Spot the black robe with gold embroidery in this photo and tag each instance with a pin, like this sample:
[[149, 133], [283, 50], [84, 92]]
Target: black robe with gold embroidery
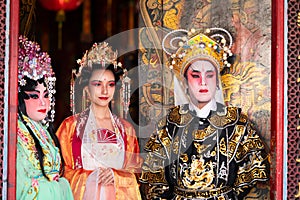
[[221, 157]]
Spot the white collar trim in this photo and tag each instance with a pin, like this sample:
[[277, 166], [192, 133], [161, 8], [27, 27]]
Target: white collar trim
[[204, 112]]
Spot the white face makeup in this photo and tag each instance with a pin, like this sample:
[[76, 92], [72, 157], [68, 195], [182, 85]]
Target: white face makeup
[[202, 82], [38, 104], [101, 87]]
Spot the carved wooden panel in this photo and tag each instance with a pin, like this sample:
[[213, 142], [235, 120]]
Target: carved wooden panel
[[2, 78], [293, 128]]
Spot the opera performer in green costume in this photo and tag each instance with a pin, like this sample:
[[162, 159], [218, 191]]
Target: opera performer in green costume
[[39, 161]]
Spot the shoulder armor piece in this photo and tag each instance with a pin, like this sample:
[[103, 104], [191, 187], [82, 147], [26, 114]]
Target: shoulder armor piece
[[230, 116], [180, 115]]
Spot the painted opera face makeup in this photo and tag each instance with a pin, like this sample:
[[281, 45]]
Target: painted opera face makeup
[[101, 87], [38, 104], [202, 82]]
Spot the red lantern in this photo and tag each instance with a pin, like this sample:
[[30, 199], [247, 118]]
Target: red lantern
[[57, 5], [60, 6]]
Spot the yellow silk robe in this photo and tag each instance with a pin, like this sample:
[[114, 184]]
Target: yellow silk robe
[[126, 186]]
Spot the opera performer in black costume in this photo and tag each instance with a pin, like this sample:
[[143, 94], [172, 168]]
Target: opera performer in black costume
[[202, 149]]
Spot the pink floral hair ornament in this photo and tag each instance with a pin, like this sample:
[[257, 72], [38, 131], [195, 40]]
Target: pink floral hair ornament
[[35, 64]]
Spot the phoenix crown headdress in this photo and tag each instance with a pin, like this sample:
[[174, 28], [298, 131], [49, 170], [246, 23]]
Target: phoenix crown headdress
[[103, 55], [100, 53], [35, 64]]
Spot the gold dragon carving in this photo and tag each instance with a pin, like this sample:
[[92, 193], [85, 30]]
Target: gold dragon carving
[[247, 85]]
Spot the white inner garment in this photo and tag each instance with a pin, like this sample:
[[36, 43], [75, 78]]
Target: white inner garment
[[101, 150]]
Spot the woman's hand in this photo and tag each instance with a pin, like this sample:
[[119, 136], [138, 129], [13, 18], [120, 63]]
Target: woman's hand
[[98, 178]]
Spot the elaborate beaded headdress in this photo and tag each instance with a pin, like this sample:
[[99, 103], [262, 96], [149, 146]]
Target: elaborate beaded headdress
[[35, 64], [184, 47], [101, 54], [213, 45]]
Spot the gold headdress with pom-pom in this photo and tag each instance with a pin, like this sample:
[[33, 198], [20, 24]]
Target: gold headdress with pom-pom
[[193, 45]]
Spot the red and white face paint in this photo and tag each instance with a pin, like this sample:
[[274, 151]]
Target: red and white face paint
[[38, 104], [202, 82]]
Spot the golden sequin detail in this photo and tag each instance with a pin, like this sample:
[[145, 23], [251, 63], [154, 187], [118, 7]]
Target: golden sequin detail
[[178, 117], [229, 117], [175, 145], [202, 134], [200, 175]]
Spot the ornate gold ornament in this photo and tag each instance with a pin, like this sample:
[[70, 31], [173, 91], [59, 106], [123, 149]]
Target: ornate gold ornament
[[213, 45]]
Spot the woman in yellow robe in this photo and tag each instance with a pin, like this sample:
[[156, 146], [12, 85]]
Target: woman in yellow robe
[[100, 150]]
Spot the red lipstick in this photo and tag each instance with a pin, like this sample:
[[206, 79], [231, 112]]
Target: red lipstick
[[42, 110], [103, 98], [203, 90]]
